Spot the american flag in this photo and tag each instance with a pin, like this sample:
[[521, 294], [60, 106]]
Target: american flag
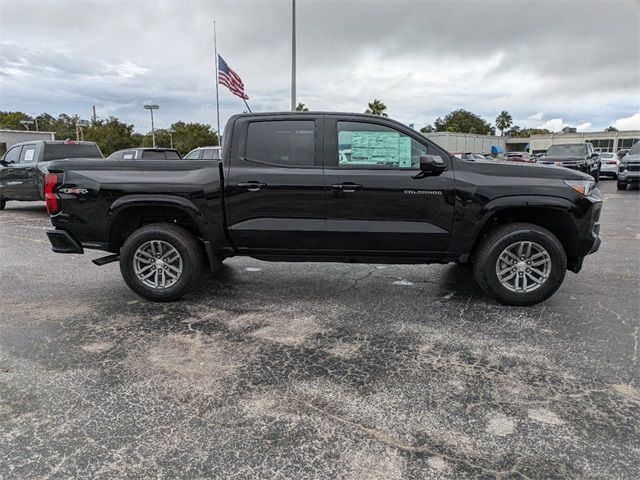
[[230, 79]]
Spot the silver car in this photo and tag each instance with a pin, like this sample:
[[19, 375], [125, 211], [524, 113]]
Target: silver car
[[609, 163], [204, 153], [629, 169]]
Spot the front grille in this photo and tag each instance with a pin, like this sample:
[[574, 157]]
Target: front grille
[[633, 168]]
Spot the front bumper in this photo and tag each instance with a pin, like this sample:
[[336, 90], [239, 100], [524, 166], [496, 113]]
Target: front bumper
[[63, 242], [629, 177]]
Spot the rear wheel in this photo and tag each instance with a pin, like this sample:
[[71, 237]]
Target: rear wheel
[[596, 175], [621, 185], [520, 264], [161, 262], [3, 203]]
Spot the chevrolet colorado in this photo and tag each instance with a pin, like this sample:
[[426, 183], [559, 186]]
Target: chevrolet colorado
[[326, 187]]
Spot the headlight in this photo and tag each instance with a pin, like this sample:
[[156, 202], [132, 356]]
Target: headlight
[[585, 187], [623, 167]]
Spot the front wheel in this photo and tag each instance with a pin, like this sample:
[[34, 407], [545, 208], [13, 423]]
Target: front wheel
[[621, 185], [596, 175], [161, 262], [3, 203], [520, 264]]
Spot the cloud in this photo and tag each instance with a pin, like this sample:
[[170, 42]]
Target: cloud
[[628, 123], [584, 127], [555, 125], [423, 59]]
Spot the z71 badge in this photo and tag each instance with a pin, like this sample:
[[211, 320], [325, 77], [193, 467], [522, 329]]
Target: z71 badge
[[74, 191]]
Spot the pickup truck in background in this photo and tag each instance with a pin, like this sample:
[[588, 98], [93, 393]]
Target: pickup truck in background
[[24, 166], [326, 187], [576, 156]]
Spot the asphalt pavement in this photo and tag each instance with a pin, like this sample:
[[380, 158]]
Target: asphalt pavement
[[286, 370]]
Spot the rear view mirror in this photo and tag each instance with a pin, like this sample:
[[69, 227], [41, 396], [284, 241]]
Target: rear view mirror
[[432, 164]]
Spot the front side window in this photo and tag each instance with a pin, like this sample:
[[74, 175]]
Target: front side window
[[129, 155], [367, 145], [194, 155], [12, 155], [211, 154], [285, 143], [28, 154]]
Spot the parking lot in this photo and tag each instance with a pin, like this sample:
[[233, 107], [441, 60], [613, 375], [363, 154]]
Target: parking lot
[[284, 370]]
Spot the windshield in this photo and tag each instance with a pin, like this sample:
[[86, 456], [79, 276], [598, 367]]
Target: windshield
[[567, 151], [606, 155], [635, 150]]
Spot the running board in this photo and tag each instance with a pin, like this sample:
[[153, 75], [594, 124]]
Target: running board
[[108, 259]]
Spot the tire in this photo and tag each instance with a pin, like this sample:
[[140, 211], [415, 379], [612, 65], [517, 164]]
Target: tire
[[549, 275], [596, 176], [621, 185], [3, 203], [173, 276]]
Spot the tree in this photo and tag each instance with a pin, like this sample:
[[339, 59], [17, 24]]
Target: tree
[[11, 120], [377, 108], [301, 108], [503, 121], [187, 136], [514, 131], [464, 122], [110, 135], [427, 129], [611, 128]]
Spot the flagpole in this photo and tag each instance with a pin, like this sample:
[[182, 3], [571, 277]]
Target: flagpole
[[293, 55], [215, 47], [245, 102]]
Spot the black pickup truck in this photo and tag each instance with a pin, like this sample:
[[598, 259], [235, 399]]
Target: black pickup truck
[[327, 187]]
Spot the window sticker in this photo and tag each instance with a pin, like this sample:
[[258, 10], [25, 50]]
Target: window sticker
[[379, 148], [28, 155]]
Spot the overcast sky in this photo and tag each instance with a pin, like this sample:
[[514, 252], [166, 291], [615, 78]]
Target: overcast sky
[[549, 64]]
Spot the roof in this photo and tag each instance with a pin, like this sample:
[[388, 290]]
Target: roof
[[8, 130]]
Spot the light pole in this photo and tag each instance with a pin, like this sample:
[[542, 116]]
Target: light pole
[[151, 108], [80, 124], [26, 123], [293, 55]]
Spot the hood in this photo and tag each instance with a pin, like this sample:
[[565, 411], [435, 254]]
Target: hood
[[562, 158], [502, 168], [630, 159]]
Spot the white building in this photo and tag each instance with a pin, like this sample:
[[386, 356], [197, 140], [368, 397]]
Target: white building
[[8, 138]]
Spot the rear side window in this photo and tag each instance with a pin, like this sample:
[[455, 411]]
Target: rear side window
[[172, 155], [28, 154], [288, 143], [158, 155], [53, 151]]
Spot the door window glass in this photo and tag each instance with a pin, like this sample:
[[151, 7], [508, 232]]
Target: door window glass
[[367, 145], [28, 154], [211, 154], [286, 143], [13, 155], [194, 154]]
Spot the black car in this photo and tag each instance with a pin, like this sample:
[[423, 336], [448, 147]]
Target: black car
[[327, 187], [145, 153], [576, 156], [24, 166]]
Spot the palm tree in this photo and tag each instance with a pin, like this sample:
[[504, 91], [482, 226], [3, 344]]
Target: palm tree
[[301, 108], [377, 108], [503, 121]]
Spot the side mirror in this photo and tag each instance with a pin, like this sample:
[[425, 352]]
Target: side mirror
[[594, 155], [4, 163], [432, 164]]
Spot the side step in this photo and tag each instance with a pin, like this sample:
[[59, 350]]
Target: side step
[[108, 259]]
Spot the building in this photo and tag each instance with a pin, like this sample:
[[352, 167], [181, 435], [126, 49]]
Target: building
[[468, 142], [8, 138], [602, 141]]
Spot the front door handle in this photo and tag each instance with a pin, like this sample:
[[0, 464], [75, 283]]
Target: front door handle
[[347, 187], [251, 186]]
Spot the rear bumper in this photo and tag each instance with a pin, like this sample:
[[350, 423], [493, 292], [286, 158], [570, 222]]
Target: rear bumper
[[63, 242]]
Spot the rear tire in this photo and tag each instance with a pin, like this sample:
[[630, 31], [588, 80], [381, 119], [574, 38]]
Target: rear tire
[[161, 262], [531, 282], [621, 185], [596, 176], [3, 203]]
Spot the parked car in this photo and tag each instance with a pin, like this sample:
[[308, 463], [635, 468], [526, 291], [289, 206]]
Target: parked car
[[145, 153], [204, 153], [473, 157], [609, 163], [519, 157], [397, 198], [24, 166], [576, 156], [629, 168], [490, 158]]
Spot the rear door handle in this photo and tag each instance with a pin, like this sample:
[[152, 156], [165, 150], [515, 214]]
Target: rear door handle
[[251, 186], [347, 187]]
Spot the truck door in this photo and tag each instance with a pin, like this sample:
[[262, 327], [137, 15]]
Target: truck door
[[8, 174], [25, 173], [378, 200], [275, 189]]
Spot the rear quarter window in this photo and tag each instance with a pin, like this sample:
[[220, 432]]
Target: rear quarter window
[[55, 151]]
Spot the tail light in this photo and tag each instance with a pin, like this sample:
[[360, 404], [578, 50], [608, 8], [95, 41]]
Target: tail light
[[611, 162], [51, 181]]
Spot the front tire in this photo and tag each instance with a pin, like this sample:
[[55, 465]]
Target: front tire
[[161, 262], [596, 176], [621, 185], [3, 203], [520, 264]]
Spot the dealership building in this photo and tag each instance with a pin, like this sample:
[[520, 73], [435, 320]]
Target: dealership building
[[8, 138], [468, 142]]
